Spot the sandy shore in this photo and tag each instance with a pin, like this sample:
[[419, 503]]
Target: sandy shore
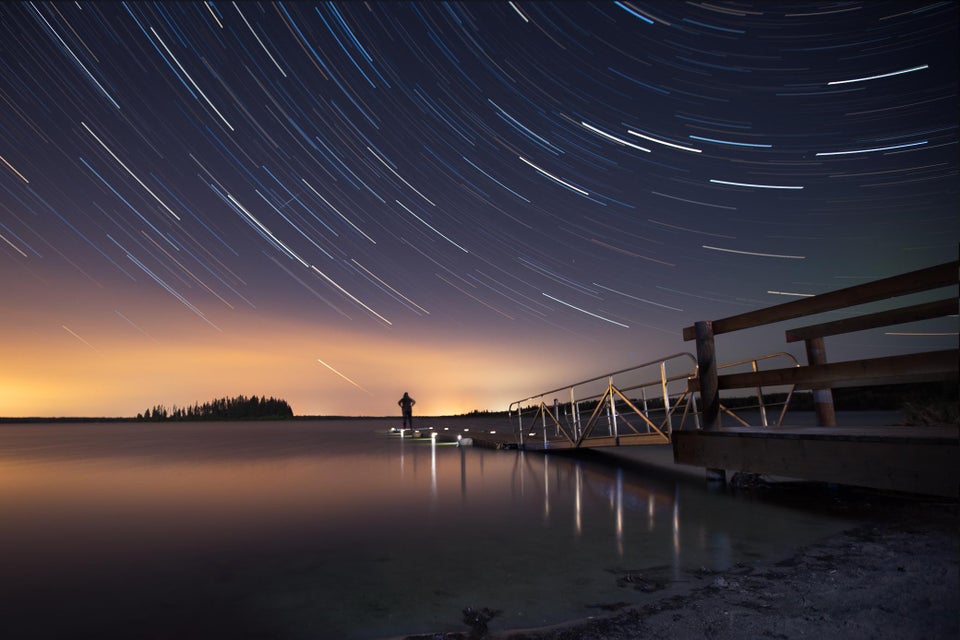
[[893, 575]]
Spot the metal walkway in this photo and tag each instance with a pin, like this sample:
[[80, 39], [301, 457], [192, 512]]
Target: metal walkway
[[640, 405]]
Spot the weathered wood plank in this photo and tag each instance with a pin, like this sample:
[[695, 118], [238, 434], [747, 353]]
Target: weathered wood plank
[[925, 311], [908, 464], [935, 277], [913, 367]]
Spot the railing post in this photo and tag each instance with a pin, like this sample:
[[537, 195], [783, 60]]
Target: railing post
[[556, 415], [709, 389], [707, 372], [520, 423], [613, 413], [573, 417], [822, 398], [666, 397], [760, 403]]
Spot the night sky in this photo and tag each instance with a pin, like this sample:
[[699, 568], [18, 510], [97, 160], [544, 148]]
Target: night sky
[[337, 203]]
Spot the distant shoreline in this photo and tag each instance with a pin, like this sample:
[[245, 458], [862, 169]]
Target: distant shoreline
[[82, 419], [87, 419]]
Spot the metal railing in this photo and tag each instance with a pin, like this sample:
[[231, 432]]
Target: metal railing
[[611, 407], [762, 404], [618, 407]]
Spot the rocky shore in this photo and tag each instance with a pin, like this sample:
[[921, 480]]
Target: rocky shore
[[893, 575]]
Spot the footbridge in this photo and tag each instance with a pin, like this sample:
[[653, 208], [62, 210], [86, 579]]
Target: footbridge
[[687, 401], [639, 405]]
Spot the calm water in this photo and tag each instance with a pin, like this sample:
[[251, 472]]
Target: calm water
[[337, 530]]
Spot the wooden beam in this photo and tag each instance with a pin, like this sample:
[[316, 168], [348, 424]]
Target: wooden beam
[[913, 367], [898, 462], [943, 275], [925, 311]]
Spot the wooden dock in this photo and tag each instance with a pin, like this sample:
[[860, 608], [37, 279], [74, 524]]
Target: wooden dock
[[922, 460], [914, 459]]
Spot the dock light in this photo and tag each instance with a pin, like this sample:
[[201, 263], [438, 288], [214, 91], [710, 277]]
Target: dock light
[[459, 438], [532, 434], [493, 431], [467, 429], [433, 435]]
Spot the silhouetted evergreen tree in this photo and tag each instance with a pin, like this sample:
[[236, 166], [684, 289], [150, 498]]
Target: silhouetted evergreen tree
[[238, 408]]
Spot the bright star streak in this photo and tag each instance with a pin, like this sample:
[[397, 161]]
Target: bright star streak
[[67, 329], [663, 142], [627, 295], [70, 51], [882, 75], [735, 144], [634, 12], [192, 81], [259, 40], [342, 376], [337, 211], [163, 284], [280, 243], [12, 168], [348, 294], [585, 311], [789, 293], [754, 253], [216, 19], [384, 163], [132, 174], [431, 227], [15, 248], [873, 150], [517, 9], [755, 186], [614, 138], [372, 275], [554, 178]]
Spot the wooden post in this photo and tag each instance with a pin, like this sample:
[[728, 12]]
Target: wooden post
[[707, 372], [823, 397], [709, 390]]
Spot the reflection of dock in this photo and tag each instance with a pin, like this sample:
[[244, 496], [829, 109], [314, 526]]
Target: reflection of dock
[[906, 458]]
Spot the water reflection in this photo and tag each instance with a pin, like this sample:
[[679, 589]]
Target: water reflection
[[288, 528]]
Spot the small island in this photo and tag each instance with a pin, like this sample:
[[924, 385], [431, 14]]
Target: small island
[[238, 408]]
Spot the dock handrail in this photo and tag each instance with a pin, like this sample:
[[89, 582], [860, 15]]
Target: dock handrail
[[618, 407], [601, 377], [819, 375], [942, 275]]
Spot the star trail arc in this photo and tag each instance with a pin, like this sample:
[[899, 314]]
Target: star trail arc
[[405, 172]]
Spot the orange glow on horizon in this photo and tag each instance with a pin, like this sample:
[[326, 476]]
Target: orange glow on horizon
[[110, 374]]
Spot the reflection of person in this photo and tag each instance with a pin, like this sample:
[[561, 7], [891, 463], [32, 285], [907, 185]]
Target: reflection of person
[[406, 406]]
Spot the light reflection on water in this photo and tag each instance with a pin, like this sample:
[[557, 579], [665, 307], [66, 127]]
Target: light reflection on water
[[336, 530]]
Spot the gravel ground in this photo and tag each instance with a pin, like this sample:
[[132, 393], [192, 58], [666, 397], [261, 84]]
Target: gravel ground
[[894, 575]]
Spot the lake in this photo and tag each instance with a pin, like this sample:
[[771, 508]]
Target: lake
[[337, 529]]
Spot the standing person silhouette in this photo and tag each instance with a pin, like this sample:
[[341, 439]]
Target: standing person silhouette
[[406, 406]]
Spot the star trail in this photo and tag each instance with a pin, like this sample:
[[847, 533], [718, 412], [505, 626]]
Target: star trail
[[336, 202]]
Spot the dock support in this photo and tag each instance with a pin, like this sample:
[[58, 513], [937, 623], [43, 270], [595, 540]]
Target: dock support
[[823, 397], [709, 389], [707, 372]]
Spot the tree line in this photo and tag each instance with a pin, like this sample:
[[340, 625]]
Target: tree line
[[238, 408]]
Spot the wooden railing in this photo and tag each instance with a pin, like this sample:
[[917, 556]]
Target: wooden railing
[[818, 374]]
